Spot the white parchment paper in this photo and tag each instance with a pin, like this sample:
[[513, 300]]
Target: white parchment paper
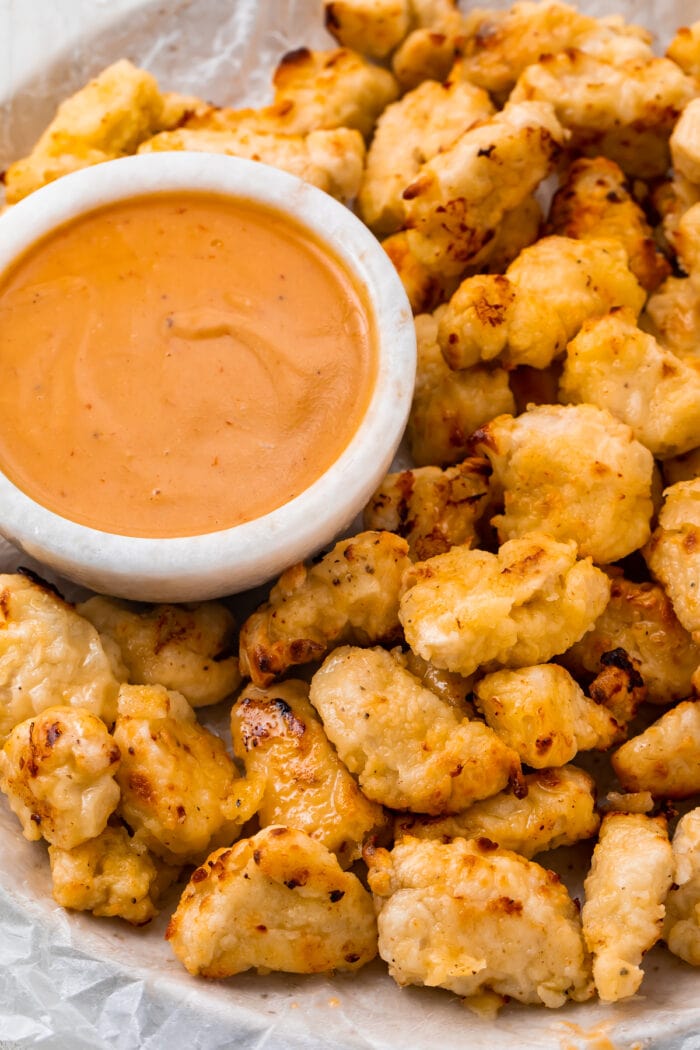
[[72, 982]]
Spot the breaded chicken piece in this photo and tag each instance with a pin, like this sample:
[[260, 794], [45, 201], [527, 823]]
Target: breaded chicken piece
[[432, 509], [448, 406], [672, 316], [499, 45], [671, 198], [408, 748], [627, 802], [525, 318], [631, 873], [57, 770], [188, 648], [684, 49], [409, 133], [682, 922], [425, 290], [110, 875], [180, 790], [331, 89], [330, 160], [460, 196], [558, 810], [594, 201], [685, 143], [476, 919], [107, 118], [277, 901], [429, 51], [613, 364], [665, 758], [372, 27], [623, 110], [468, 608], [302, 782], [639, 619], [350, 595], [574, 472], [673, 552], [48, 655], [543, 714], [685, 241]]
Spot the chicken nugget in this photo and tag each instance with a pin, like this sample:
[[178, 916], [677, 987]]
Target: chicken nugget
[[558, 809], [277, 901], [107, 118], [478, 920], [302, 781], [409, 748], [665, 758], [432, 509], [682, 921], [631, 873], [110, 875], [188, 648], [468, 608], [181, 793], [673, 552], [57, 770], [49, 655], [574, 472], [372, 27], [350, 595]]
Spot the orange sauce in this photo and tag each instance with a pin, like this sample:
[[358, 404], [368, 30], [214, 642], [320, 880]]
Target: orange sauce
[[178, 364]]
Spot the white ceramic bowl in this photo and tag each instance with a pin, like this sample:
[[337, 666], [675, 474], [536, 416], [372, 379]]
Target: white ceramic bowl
[[235, 559]]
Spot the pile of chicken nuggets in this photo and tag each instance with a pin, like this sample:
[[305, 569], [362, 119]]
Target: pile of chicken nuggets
[[410, 712]]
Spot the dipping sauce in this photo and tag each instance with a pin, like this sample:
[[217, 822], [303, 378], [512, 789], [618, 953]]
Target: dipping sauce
[[178, 364]]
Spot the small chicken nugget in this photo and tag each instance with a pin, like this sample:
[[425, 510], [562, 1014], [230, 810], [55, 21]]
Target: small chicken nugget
[[409, 133], [665, 758], [631, 873], [682, 921], [672, 316], [372, 27], [543, 714], [468, 608], [594, 201], [330, 160], [574, 472], [111, 875], [331, 89], [624, 110], [188, 648], [448, 406], [408, 748], [474, 918], [108, 118], [303, 782], [613, 364], [48, 655], [558, 810], [673, 552], [460, 196], [57, 770], [684, 49], [522, 317], [432, 509], [179, 787], [685, 143], [350, 595], [640, 620], [430, 49], [425, 290], [277, 901]]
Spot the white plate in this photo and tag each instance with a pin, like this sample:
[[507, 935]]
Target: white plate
[[71, 982]]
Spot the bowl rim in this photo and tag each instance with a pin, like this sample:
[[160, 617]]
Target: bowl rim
[[236, 558]]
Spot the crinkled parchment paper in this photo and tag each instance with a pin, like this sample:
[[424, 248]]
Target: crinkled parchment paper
[[71, 982]]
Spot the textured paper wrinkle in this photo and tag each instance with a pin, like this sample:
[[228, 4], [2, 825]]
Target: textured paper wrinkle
[[72, 982]]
